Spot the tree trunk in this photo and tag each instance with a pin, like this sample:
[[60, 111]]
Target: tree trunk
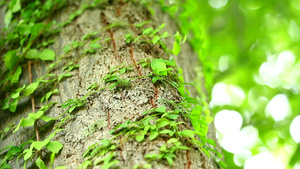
[[106, 109]]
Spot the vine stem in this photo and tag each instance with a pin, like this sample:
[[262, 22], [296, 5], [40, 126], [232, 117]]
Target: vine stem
[[36, 128]]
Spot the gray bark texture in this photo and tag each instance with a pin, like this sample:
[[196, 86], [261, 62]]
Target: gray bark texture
[[108, 108]]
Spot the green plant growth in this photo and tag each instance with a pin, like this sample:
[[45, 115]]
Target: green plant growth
[[27, 39]]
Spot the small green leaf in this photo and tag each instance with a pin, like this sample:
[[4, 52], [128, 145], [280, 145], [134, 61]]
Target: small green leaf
[[147, 165], [54, 146], [32, 54], [28, 153], [27, 122], [188, 133], [176, 48], [47, 54], [72, 108], [31, 88], [155, 39], [151, 156], [159, 67], [161, 109], [177, 42], [95, 45], [163, 124], [122, 70], [36, 115], [13, 105], [183, 147], [172, 116], [47, 118], [141, 24], [170, 160], [163, 148], [8, 17], [61, 167], [11, 59], [15, 77], [40, 144], [148, 31], [153, 135], [139, 138], [156, 78], [85, 164], [172, 140], [40, 163], [15, 5]]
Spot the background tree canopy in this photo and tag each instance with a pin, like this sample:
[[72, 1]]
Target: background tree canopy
[[251, 49]]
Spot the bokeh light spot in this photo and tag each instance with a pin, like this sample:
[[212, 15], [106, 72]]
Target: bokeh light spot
[[228, 121], [217, 3], [295, 128], [278, 107]]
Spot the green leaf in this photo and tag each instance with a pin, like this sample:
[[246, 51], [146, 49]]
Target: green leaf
[[27, 122], [28, 153], [147, 165], [13, 151], [40, 144], [139, 138], [155, 39], [151, 156], [172, 140], [141, 24], [8, 17], [32, 54], [36, 115], [161, 109], [95, 45], [15, 5], [13, 105], [188, 133], [122, 70], [72, 108], [163, 148], [148, 31], [31, 88], [11, 59], [61, 167], [47, 118], [47, 54], [40, 163], [153, 135], [170, 160], [159, 67], [176, 48], [166, 131], [172, 116], [85, 164], [15, 77], [156, 78], [183, 147], [36, 29], [54, 146], [18, 126], [163, 124]]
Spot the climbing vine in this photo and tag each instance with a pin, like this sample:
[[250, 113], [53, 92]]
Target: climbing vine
[[28, 32]]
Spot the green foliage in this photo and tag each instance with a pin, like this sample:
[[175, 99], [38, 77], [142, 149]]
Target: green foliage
[[25, 28]]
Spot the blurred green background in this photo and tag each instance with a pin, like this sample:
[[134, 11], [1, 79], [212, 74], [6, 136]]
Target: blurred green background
[[249, 49]]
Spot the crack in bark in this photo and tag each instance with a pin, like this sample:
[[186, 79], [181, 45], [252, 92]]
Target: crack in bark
[[189, 163], [106, 23], [134, 62]]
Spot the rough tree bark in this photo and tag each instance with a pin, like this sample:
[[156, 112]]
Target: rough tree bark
[[109, 108]]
